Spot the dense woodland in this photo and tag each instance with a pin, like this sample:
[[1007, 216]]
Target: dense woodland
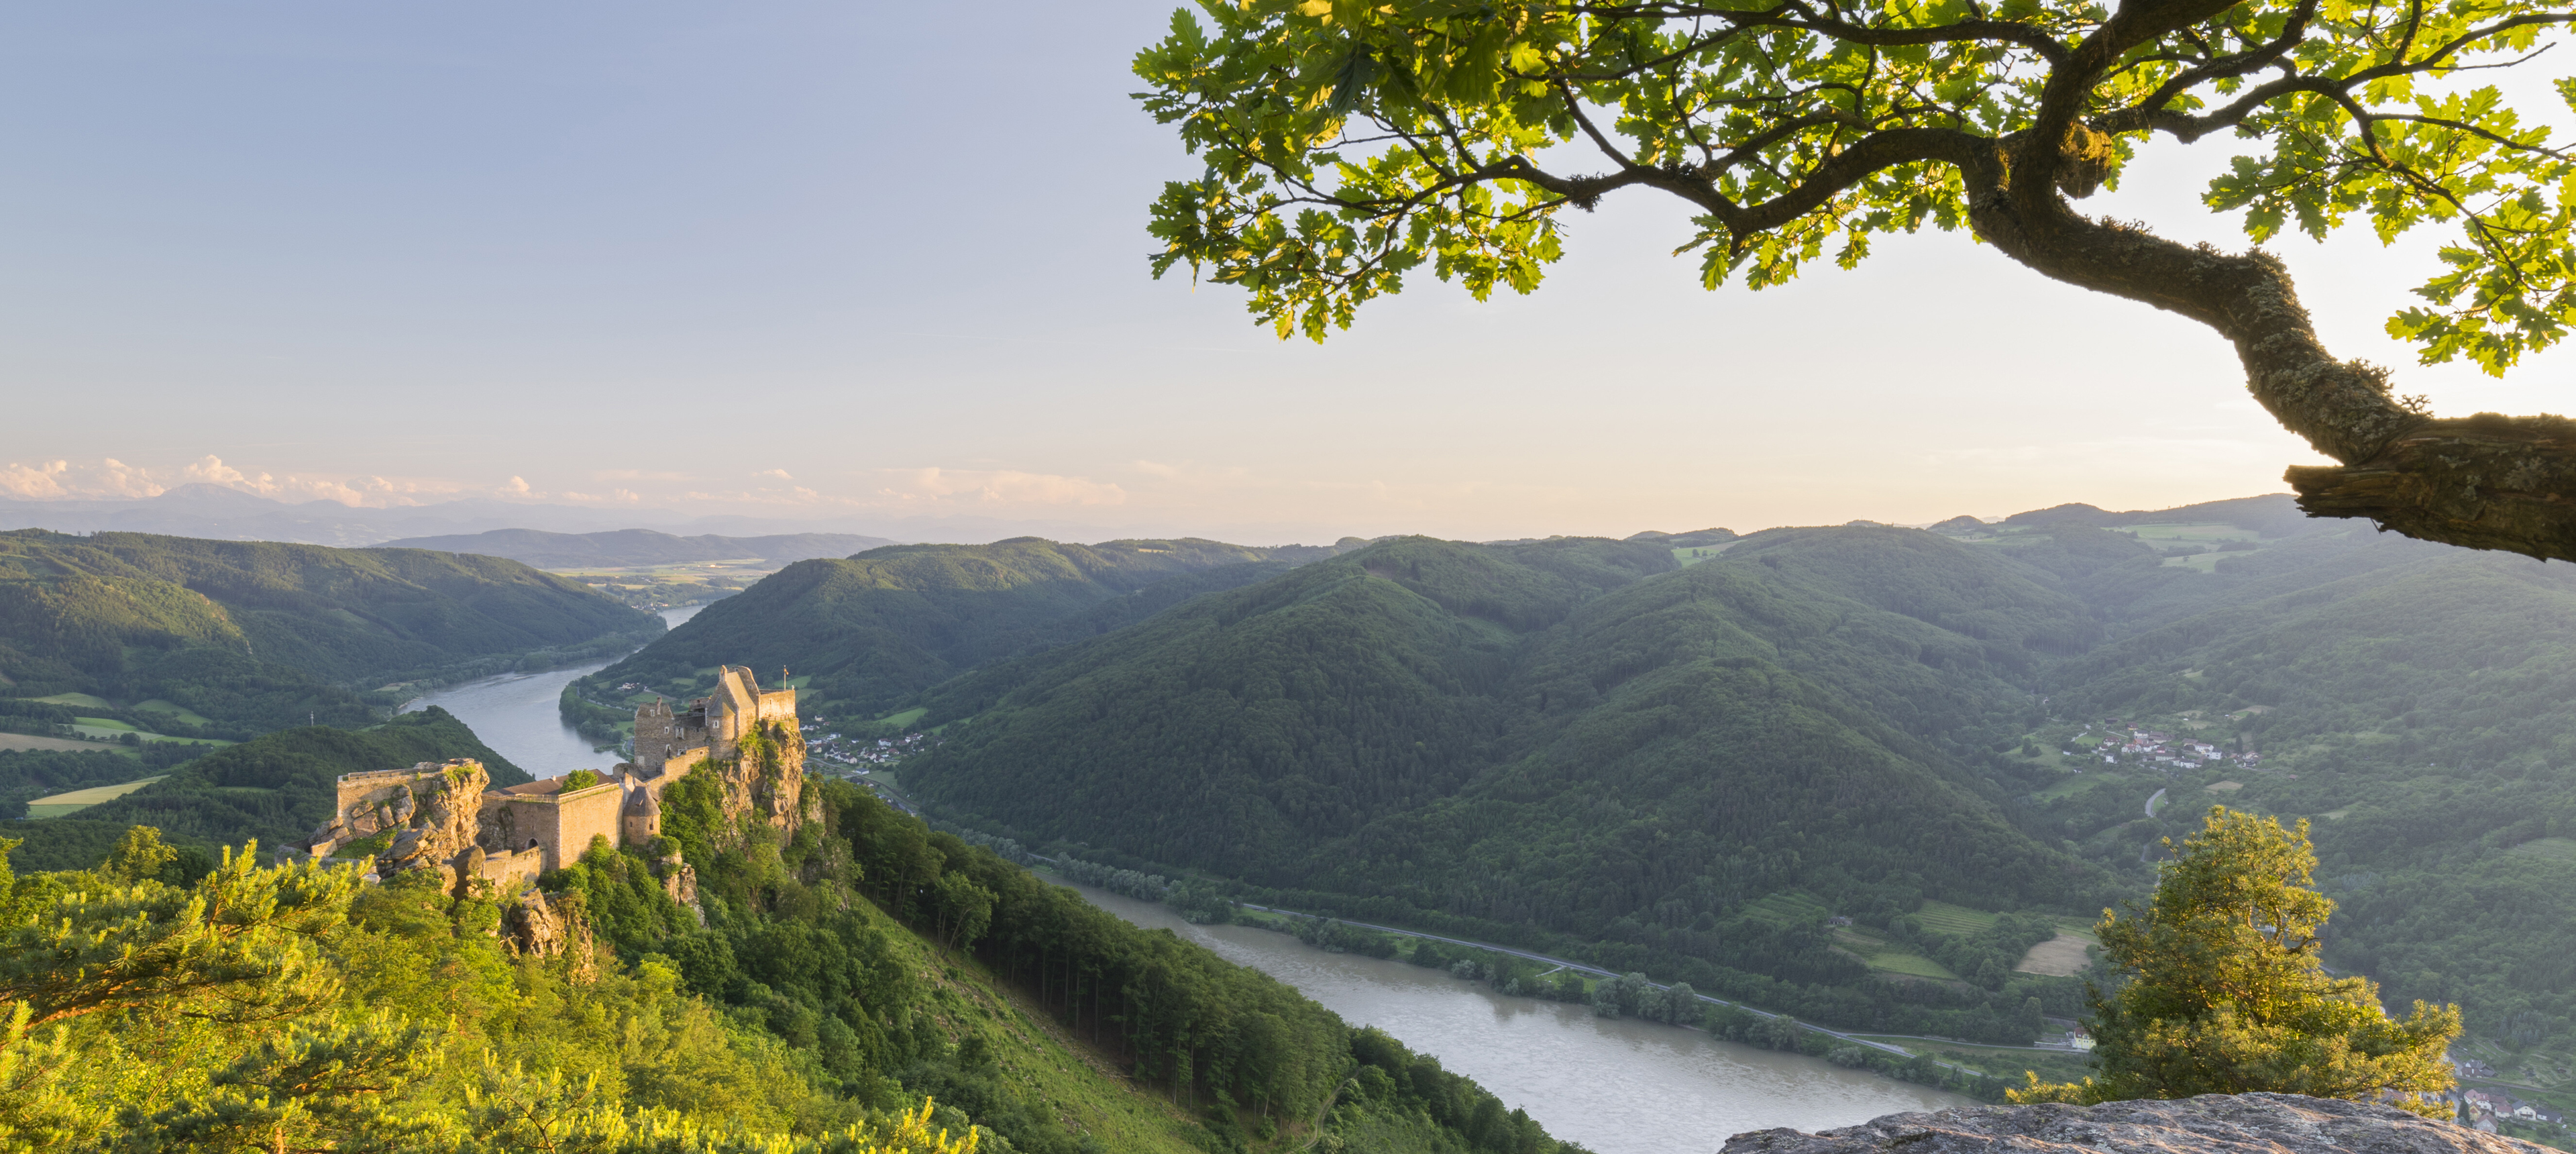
[[876, 628], [1570, 744], [1685, 761], [834, 982]]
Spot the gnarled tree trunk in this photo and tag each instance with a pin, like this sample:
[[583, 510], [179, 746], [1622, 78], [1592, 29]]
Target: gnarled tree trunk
[[2484, 482]]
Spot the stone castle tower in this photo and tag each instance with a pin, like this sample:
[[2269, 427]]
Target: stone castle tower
[[712, 731], [446, 817]]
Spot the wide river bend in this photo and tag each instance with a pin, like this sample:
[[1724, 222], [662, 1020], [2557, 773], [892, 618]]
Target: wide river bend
[[520, 716]]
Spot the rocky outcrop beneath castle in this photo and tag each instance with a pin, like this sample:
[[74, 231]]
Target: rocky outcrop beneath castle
[[766, 778], [2209, 1124], [442, 827], [545, 926], [680, 880], [428, 809]]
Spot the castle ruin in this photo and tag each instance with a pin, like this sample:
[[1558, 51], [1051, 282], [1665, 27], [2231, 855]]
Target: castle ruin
[[448, 818]]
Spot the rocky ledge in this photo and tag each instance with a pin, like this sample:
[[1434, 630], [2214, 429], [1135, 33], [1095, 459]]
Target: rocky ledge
[[2209, 1124]]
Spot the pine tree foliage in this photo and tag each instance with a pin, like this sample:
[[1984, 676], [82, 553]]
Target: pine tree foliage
[[2225, 993]]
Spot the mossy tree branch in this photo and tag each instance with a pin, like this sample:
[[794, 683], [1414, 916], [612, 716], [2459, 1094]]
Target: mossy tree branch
[[1793, 126]]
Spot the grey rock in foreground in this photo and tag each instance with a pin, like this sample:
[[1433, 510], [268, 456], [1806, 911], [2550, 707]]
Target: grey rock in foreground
[[2209, 1124]]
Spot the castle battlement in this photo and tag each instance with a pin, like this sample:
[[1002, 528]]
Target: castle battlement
[[445, 816]]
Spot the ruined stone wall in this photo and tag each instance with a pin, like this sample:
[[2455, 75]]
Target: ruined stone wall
[[583, 815], [430, 809], [365, 804], [677, 766], [558, 826], [511, 872]]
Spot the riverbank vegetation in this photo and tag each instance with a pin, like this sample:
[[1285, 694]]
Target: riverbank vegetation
[[1981, 1072]]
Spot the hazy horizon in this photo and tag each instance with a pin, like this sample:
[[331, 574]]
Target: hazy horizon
[[476, 515], [816, 264]]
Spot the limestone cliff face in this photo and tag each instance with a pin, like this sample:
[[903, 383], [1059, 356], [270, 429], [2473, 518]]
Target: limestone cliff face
[[442, 825], [429, 808], [767, 779], [542, 925], [2209, 1124]]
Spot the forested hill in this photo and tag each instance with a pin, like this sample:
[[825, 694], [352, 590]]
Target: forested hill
[[244, 637], [817, 994], [874, 629], [2416, 702], [1689, 771], [1569, 737]]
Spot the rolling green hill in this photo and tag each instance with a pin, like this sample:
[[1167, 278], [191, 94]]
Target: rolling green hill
[[879, 627], [2418, 703], [251, 636], [1563, 741], [1688, 770]]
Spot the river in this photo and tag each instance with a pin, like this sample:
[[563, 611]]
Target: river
[[519, 714], [1617, 1086]]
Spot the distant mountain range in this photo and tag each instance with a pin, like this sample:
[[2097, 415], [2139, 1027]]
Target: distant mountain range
[[621, 548], [219, 513]]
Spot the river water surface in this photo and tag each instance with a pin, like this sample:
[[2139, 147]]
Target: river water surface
[[1617, 1086], [518, 714]]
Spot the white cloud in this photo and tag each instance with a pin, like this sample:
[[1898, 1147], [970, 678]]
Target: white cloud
[[779, 474], [62, 480], [211, 469], [40, 482]]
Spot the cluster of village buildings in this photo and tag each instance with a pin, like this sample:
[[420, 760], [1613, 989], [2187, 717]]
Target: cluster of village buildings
[[855, 752], [863, 753], [2165, 750], [2489, 1105]]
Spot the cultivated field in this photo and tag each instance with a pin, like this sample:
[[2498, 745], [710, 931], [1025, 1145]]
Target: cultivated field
[[81, 799]]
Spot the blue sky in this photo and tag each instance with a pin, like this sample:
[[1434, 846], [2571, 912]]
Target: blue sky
[[887, 262]]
